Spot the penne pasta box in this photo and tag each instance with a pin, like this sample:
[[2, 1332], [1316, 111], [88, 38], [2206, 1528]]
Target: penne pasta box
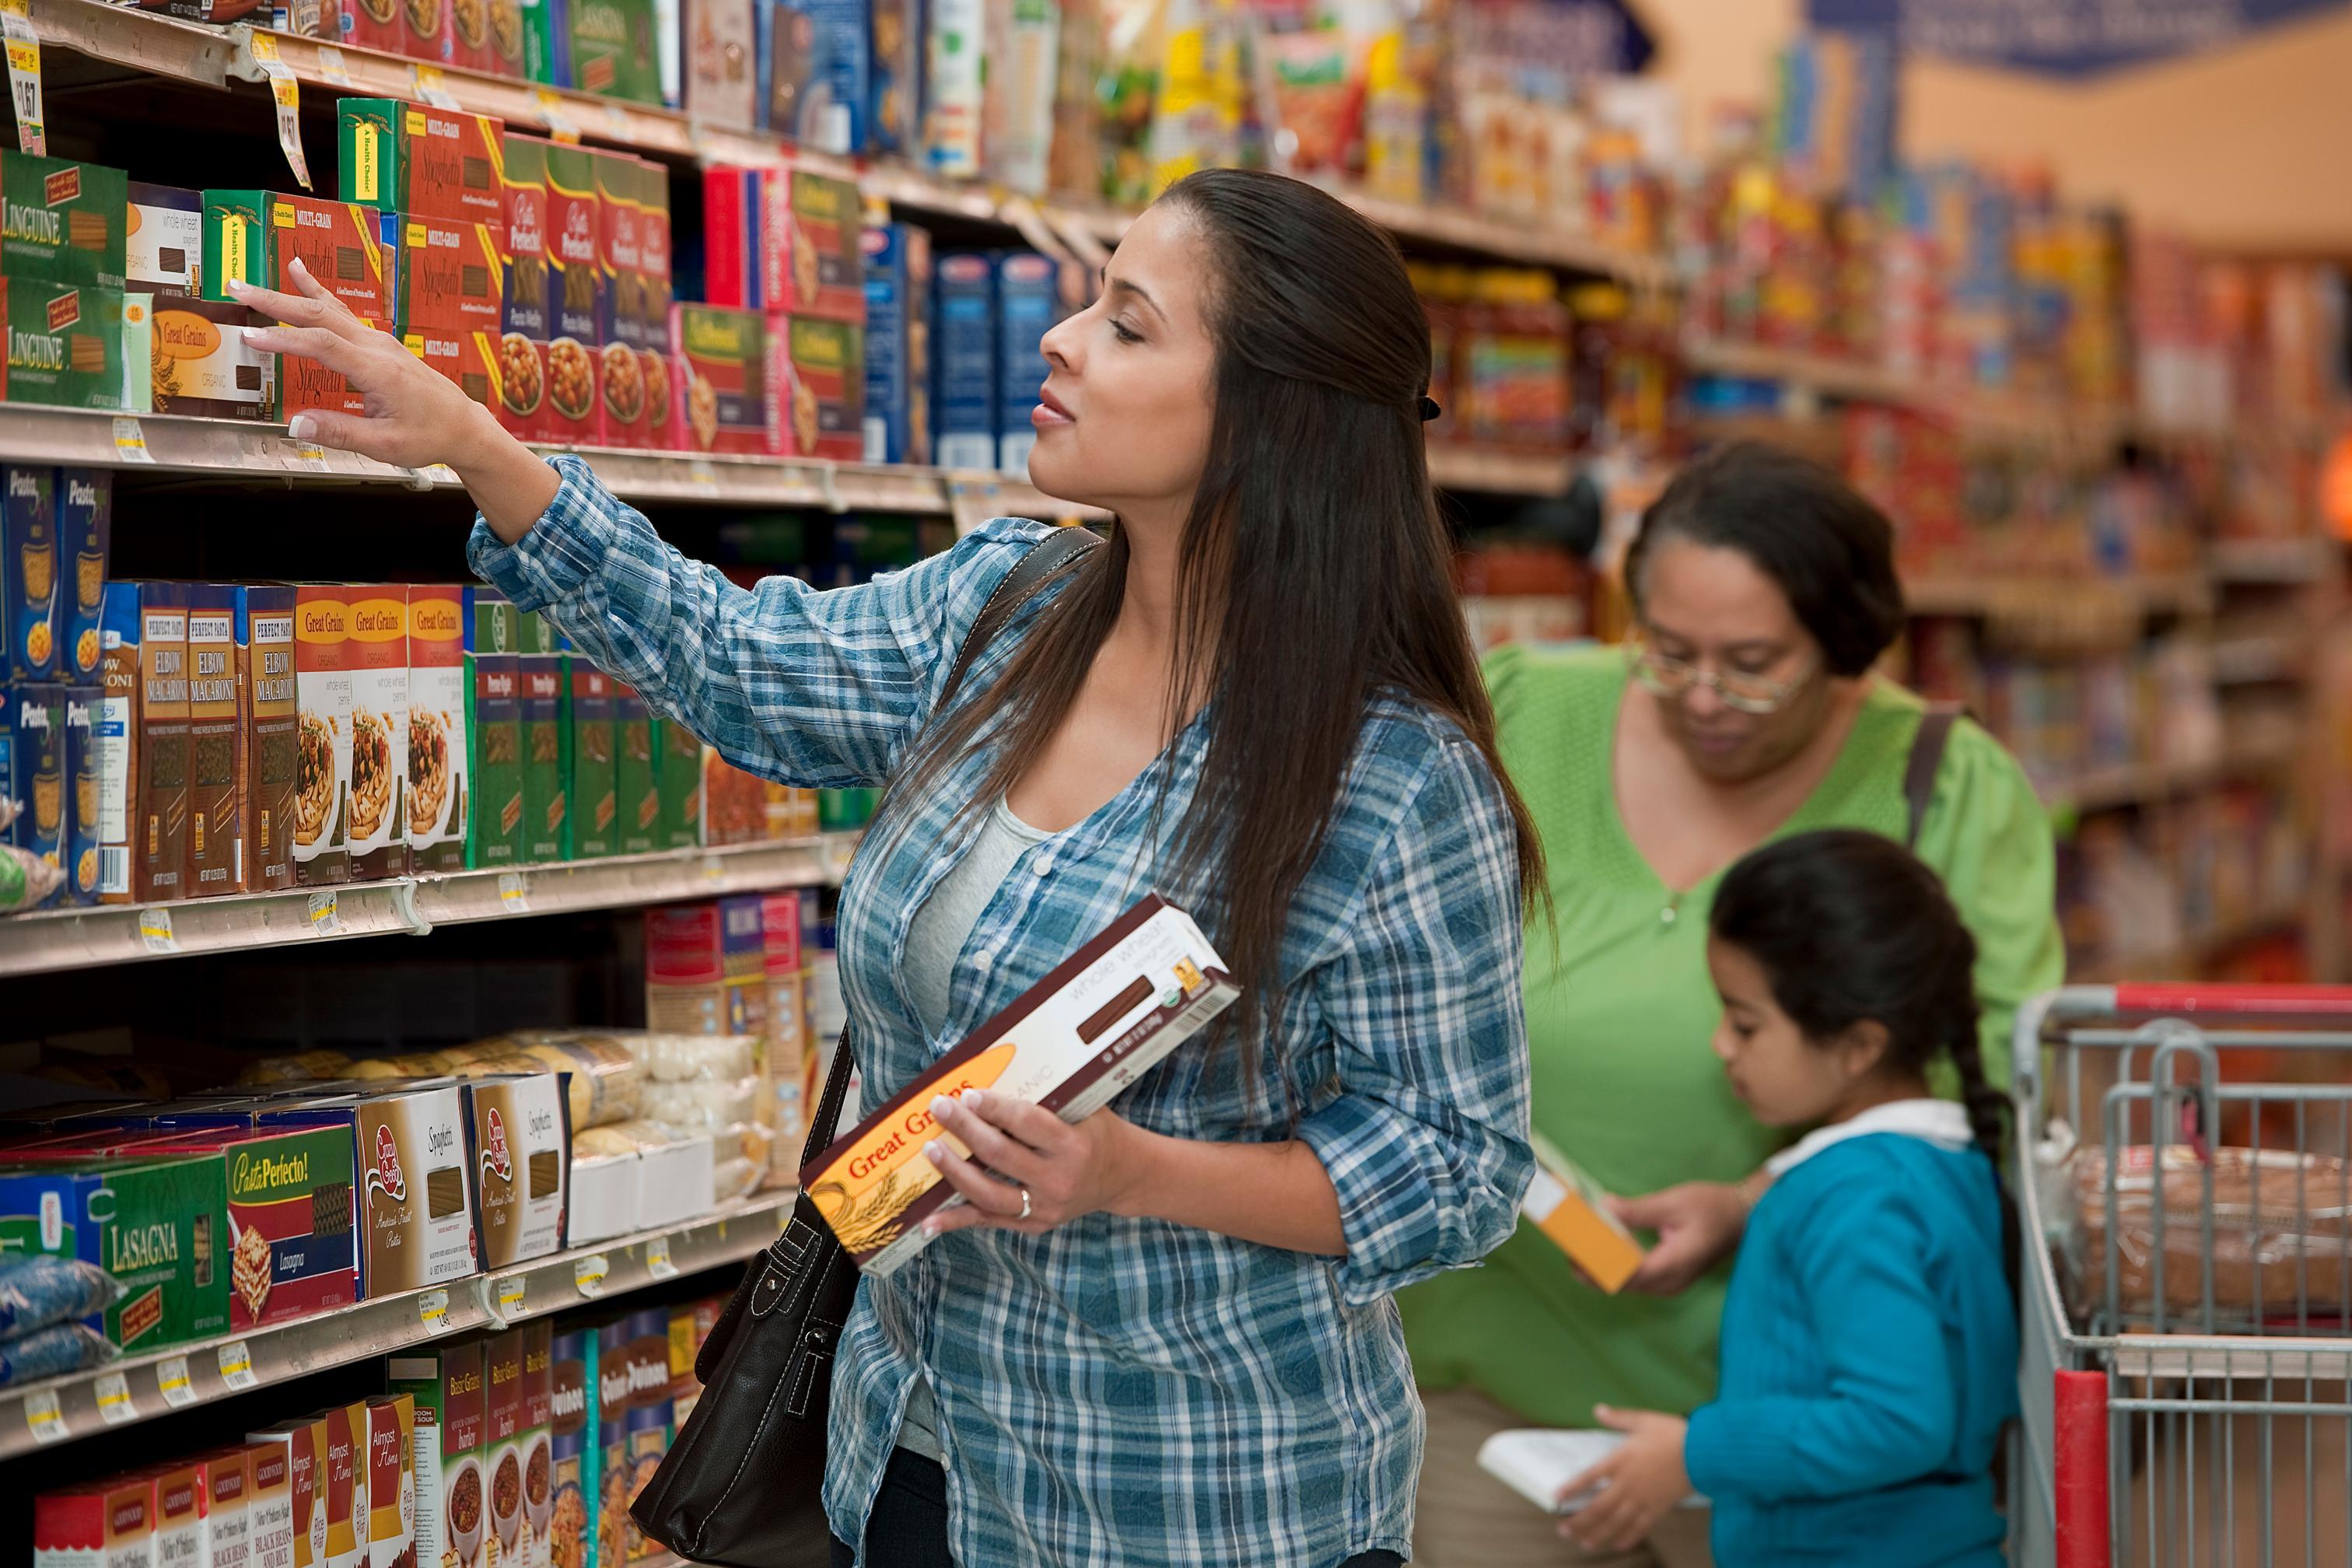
[[1569, 1207], [1070, 1043]]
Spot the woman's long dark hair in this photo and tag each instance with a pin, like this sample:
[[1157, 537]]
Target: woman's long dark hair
[[1312, 571], [1852, 926]]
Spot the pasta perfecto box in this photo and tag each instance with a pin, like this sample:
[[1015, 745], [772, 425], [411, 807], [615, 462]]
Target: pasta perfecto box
[[1139, 988]]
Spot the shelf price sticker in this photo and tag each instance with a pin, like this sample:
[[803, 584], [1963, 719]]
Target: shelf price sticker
[[514, 893], [657, 1262], [326, 914], [551, 114], [171, 1377], [588, 1274], [114, 1407], [25, 76], [155, 931], [130, 441], [433, 87], [45, 1416], [433, 1311], [286, 93], [617, 120], [510, 1293], [236, 1365], [332, 66]]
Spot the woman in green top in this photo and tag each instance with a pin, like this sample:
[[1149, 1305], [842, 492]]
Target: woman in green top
[[1764, 592]]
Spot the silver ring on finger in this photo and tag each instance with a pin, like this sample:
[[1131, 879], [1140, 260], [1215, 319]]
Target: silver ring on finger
[[1026, 1208]]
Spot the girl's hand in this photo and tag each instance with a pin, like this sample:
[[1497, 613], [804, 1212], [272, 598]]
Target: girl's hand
[[1645, 1478], [1069, 1171], [1698, 1223], [415, 416]]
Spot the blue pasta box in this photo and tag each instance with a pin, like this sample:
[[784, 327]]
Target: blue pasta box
[[1028, 303], [894, 128], [28, 524], [85, 501], [816, 74], [963, 362], [37, 718], [82, 706], [897, 342]]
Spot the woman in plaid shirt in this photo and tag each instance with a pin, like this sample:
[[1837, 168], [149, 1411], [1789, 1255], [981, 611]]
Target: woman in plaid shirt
[[1165, 1334]]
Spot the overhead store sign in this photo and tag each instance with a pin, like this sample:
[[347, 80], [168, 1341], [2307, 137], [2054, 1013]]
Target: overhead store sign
[[2064, 37]]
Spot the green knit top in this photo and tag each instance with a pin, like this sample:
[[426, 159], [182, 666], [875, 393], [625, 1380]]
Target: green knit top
[[1620, 1012]]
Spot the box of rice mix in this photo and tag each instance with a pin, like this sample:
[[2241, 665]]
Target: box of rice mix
[[519, 1133], [108, 1523], [526, 303], [342, 1479], [678, 782], [323, 705], [422, 162], [1126, 997], [636, 786], [227, 1475], [29, 571], [154, 1221], [572, 1450], [616, 1472], [64, 221], [200, 364], [539, 667], [217, 767], [620, 256], [821, 378], [588, 766], [537, 1441], [83, 704], [159, 859], [183, 1511], [391, 1480], [651, 1416], [272, 747], [163, 238], [286, 1460], [722, 392], [437, 796], [575, 240], [85, 499], [452, 1511], [378, 658], [502, 1412], [36, 726], [493, 689]]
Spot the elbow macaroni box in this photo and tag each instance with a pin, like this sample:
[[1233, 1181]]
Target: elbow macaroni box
[[1571, 1211], [493, 730], [437, 796], [635, 787], [1102, 1017], [322, 697], [378, 657]]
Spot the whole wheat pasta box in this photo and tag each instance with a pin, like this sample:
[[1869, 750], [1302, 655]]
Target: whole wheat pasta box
[[1136, 990]]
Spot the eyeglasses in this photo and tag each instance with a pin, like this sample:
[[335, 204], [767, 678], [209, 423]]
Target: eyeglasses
[[1674, 678]]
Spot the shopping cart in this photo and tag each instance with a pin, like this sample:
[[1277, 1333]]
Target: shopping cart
[[2187, 1319]]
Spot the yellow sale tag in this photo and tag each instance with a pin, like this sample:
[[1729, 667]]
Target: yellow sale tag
[[23, 76]]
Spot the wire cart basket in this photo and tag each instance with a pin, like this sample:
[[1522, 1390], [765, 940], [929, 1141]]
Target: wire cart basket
[[2187, 1322]]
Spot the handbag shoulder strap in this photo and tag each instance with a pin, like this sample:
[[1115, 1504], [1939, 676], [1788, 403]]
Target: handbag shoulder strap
[[1927, 757], [1046, 560]]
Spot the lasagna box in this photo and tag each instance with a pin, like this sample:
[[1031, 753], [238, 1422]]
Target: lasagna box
[[422, 162], [723, 391], [151, 1218], [291, 1209], [1070, 1043], [436, 728], [416, 1214], [65, 221]]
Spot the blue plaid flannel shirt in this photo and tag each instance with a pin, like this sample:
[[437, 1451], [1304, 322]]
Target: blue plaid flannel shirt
[[1120, 1391]]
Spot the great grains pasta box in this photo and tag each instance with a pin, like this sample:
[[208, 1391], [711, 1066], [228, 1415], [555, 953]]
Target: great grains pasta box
[[216, 738], [65, 220], [424, 162], [272, 752], [1070, 1043], [493, 679], [447, 1388], [323, 694], [378, 657], [164, 239], [436, 727], [200, 364], [539, 669]]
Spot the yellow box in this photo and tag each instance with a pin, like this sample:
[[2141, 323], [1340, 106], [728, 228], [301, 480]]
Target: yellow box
[[1567, 1206]]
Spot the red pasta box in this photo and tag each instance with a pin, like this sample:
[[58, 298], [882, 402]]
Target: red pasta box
[[451, 275], [427, 32], [661, 422], [468, 359], [575, 227], [654, 254], [622, 392], [526, 231], [337, 241], [784, 242], [521, 381], [722, 395], [424, 162], [620, 256], [822, 379], [574, 414], [105, 1521], [305, 385], [471, 47], [364, 24]]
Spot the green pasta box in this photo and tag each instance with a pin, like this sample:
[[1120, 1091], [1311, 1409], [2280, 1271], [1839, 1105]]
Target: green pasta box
[[66, 343], [424, 162], [237, 242], [636, 785], [158, 1225], [678, 782], [588, 749], [612, 49], [493, 730], [64, 221], [544, 798]]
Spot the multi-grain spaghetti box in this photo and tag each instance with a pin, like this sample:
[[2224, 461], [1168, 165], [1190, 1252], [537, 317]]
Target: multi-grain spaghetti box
[[107, 1523], [272, 750], [493, 730], [217, 735], [422, 162], [339, 243], [539, 669], [436, 727], [636, 786], [452, 276], [322, 695], [164, 239], [85, 536], [378, 653], [518, 1128], [64, 221], [159, 859], [452, 1509], [589, 779], [1071, 1043]]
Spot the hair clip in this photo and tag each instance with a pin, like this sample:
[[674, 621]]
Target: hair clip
[[1429, 409]]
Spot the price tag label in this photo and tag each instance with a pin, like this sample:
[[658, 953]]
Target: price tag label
[[701, 475], [326, 916], [304, 456], [433, 87], [433, 1311], [332, 66], [114, 1407], [714, 868], [286, 93], [25, 76], [514, 892], [155, 931], [510, 1296], [555, 117], [171, 1378], [588, 1274], [618, 120], [44, 1416], [130, 441], [657, 1263], [236, 1365]]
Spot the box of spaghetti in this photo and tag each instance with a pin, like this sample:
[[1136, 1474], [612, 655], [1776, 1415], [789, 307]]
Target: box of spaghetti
[[416, 1223], [1105, 1014]]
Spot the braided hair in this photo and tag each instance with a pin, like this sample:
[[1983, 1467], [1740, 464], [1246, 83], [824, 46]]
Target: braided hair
[[1852, 926]]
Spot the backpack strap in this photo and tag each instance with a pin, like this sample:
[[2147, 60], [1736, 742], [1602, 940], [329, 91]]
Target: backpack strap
[[1926, 756]]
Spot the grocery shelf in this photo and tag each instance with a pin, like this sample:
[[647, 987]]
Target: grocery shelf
[[2286, 562], [53, 940], [2138, 784], [1497, 471], [139, 1388], [2197, 954], [1968, 596], [2008, 415]]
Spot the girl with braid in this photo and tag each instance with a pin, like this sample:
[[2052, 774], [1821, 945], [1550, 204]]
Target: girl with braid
[[1869, 1345]]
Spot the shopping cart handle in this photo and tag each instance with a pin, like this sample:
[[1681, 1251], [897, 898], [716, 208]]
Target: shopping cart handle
[[2317, 1001]]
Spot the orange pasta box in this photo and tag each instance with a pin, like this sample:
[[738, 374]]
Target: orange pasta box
[[1570, 1209], [1136, 991]]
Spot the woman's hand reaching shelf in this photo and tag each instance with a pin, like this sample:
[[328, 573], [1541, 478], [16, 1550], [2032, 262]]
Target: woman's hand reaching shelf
[[415, 417]]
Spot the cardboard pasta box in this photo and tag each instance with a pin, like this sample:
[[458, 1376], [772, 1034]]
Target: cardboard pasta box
[[502, 1429], [1572, 1213], [590, 776], [678, 782], [85, 539], [159, 850], [1102, 1017], [118, 734], [451, 278], [575, 236], [493, 730], [217, 740], [415, 1198], [820, 376], [538, 1441], [572, 1448], [378, 659], [83, 705], [66, 344], [706, 967], [200, 364], [518, 1128], [424, 162], [539, 667], [156, 1222], [164, 235], [36, 725], [637, 788], [447, 1388], [526, 238], [272, 752], [437, 748], [722, 397], [65, 220], [620, 255], [30, 571], [323, 701]]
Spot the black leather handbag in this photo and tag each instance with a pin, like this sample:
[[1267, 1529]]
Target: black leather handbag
[[742, 1484]]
